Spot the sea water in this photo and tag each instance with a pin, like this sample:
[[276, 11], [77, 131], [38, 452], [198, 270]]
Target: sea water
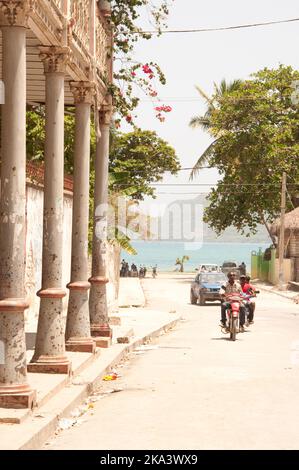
[[164, 254]]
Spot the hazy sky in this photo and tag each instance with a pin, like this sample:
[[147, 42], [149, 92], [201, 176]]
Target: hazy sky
[[204, 58]]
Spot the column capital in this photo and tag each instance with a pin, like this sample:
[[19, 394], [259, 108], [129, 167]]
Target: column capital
[[105, 116], [83, 92], [54, 58], [15, 12]]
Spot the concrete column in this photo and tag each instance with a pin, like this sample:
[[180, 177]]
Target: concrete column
[[49, 353], [15, 392], [98, 299], [78, 323]]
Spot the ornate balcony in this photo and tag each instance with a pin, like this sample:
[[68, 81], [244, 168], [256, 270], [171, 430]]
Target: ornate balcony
[[77, 24]]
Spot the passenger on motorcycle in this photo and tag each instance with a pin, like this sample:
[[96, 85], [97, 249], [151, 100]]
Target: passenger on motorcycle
[[231, 287], [249, 289]]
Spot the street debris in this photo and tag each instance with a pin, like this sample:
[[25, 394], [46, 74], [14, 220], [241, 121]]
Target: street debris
[[123, 339], [66, 423], [113, 390], [112, 376]]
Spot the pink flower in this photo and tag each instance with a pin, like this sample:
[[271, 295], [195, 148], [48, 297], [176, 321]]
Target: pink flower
[[133, 74], [148, 70]]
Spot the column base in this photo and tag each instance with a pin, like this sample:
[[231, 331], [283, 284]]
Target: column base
[[101, 330], [18, 400], [103, 341], [17, 396], [50, 365], [81, 345]]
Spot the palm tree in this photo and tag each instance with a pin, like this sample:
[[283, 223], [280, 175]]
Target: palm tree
[[205, 121], [181, 261]]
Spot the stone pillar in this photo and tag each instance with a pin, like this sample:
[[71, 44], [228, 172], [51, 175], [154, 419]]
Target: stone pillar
[[49, 353], [78, 323], [14, 389], [98, 299]]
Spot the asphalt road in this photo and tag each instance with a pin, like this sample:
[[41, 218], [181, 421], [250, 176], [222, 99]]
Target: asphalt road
[[196, 389]]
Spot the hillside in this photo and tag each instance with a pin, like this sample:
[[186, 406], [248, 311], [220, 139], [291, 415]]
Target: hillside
[[185, 216]]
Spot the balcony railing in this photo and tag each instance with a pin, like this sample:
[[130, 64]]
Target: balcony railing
[[80, 15], [58, 4], [102, 47]]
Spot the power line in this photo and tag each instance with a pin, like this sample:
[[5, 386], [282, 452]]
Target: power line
[[224, 194], [260, 185], [206, 167], [225, 28]]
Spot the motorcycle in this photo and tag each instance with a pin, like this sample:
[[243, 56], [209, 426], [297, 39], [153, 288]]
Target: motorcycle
[[233, 316]]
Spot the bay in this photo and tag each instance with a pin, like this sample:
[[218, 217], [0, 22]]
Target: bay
[[164, 254]]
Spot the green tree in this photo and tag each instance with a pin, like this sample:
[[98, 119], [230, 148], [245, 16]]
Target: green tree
[[139, 159], [256, 138], [181, 261], [205, 122]]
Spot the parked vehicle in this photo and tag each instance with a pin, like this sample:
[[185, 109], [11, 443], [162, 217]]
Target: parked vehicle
[[206, 287], [230, 266], [208, 268]]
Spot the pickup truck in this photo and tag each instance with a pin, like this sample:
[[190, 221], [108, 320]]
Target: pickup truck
[[230, 266]]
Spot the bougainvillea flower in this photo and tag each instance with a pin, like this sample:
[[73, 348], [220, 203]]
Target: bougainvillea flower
[[147, 69], [165, 109]]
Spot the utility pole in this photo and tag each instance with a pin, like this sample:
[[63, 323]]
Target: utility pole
[[281, 237]]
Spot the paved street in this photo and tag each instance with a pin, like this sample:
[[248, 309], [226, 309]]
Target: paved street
[[196, 389]]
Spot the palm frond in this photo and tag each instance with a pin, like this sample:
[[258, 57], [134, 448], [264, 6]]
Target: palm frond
[[226, 87], [123, 241], [201, 121], [203, 160], [204, 95]]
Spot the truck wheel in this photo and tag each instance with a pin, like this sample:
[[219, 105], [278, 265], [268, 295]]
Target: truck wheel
[[201, 301]]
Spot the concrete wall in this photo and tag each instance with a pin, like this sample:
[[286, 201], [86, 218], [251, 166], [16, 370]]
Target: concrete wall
[[288, 269], [34, 241], [113, 253], [269, 270]]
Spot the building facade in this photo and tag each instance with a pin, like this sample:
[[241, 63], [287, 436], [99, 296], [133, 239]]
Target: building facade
[[56, 53]]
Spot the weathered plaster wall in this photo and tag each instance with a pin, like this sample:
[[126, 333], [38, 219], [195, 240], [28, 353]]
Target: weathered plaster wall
[[113, 253], [34, 242]]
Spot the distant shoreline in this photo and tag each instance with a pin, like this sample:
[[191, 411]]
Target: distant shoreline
[[203, 243]]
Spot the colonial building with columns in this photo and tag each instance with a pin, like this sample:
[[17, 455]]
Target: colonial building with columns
[[57, 53]]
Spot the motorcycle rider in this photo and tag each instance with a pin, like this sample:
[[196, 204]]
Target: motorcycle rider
[[231, 287], [251, 290]]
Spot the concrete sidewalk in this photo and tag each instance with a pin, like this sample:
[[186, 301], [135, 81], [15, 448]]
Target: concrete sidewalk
[[264, 286], [130, 293], [59, 395]]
